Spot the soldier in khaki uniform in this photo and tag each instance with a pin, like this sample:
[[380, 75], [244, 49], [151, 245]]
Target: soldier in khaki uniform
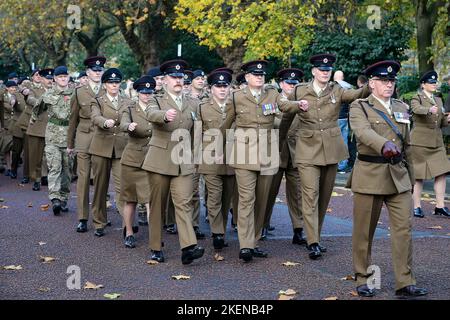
[[56, 102], [134, 183], [383, 173], [219, 177], [8, 102], [171, 170], [36, 130], [23, 122], [255, 157], [289, 126], [319, 143], [18, 106], [81, 132], [428, 152], [107, 145]]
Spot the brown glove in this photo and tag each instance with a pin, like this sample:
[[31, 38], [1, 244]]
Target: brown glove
[[390, 150]]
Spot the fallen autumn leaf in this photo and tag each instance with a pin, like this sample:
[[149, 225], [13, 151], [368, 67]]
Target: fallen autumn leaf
[[45, 207], [41, 243], [218, 257], [331, 298], [44, 289], [152, 262], [90, 285], [288, 292], [290, 264], [13, 267], [30, 205], [111, 295], [4, 207], [435, 227], [335, 194], [354, 293], [47, 259], [349, 277], [181, 277], [285, 297]]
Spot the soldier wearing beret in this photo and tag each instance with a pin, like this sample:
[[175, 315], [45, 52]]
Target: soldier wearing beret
[[217, 117], [81, 131], [319, 143], [168, 113], [288, 79], [428, 151], [36, 130], [254, 160], [56, 102], [108, 142], [383, 173], [134, 186]]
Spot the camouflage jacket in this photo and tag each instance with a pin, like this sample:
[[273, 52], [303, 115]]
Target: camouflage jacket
[[57, 102]]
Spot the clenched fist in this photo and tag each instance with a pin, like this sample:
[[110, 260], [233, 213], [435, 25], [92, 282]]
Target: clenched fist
[[132, 126], [390, 150], [303, 105], [170, 115]]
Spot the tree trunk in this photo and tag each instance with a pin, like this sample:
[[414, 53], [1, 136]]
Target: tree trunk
[[233, 56]]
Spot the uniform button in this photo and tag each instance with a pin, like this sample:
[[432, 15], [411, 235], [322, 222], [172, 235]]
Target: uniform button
[[321, 130], [114, 134], [320, 119]]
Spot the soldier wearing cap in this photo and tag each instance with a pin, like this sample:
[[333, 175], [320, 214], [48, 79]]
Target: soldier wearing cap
[[81, 132], [57, 103], [383, 173], [198, 87], [134, 185], [18, 104], [24, 120], [36, 129], [158, 76], [108, 142], [83, 79], [167, 113], [289, 78], [217, 117], [9, 105], [187, 81], [319, 143], [255, 158], [428, 152]]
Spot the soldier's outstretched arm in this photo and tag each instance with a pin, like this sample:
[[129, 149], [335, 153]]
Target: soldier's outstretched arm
[[417, 107], [96, 114], [363, 130], [38, 108], [154, 113], [350, 95]]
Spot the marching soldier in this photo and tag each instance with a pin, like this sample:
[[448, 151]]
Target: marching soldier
[[319, 144], [134, 184], [254, 111], [157, 75], [187, 81], [56, 102], [36, 129], [83, 79], [289, 126], [81, 132], [383, 173], [198, 89], [428, 151], [167, 113], [107, 145], [7, 105], [219, 177], [18, 105]]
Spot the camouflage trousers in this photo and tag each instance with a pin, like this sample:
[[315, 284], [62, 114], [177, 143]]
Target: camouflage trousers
[[58, 163]]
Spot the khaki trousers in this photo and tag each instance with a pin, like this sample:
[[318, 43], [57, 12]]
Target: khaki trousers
[[36, 149], [84, 165]]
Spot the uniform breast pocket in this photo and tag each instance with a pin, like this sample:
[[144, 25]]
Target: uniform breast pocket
[[244, 117], [378, 125], [158, 142]]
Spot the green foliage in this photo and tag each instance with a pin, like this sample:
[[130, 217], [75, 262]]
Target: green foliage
[[407, 83]]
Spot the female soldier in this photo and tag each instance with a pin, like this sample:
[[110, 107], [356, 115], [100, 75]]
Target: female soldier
[[134, 186], [428, 151], [107, 145]]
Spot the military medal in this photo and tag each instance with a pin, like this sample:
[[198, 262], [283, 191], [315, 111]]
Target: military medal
[[401, 117], [333, 99]]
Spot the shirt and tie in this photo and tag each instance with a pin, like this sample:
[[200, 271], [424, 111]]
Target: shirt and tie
[[386, 105], [95, 87], [256, 94], [178, 100], [318, 90], [114, 100]]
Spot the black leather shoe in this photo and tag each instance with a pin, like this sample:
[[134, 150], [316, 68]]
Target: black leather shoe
[[271, 228], [82, 226], [258, 253], [25, 180], [142, 219], [171, 229], [36, 186], [365, 291], [108, 223], [130, 242], [2, 169], [322, 248], [218, 241], [13, 175], [135, 230], [191, 253], [246, 254], [198, 234], [157, 256], [44, 181], [56, 206], [100, 232], [298, 237], [411, 291], [442, 211], [314, 251], [418, 213], [64, 207], [263, 234], [7, 173]]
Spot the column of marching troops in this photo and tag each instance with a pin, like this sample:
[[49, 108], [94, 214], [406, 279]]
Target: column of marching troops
[[107, 133]]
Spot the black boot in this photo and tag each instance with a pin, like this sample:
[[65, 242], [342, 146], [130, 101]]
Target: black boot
[[418, 212], [36, 186], [44, 181], [64, 207], [56, 205], [298, 237]]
